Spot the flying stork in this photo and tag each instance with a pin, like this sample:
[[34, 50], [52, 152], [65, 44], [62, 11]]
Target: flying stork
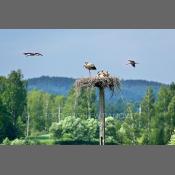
[[32, 54], [90, 67], [132, 63]]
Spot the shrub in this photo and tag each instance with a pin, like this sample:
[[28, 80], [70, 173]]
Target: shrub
[[74, 128], [18, 142], [6, 141], [56, 130]]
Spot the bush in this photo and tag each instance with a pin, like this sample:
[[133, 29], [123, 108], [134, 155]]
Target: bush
[[112, 130], [67, 137], [172, 139], [6, 141], [92, 130], [56, 130], [18, 142], [78, 130], [31, 142], [74, 128]]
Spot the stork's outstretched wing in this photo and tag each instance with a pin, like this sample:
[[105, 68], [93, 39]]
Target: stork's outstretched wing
[[29, 54], [38, 54], [32, 54]]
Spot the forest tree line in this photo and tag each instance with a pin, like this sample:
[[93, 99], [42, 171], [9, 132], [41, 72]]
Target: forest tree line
[[74, 118]]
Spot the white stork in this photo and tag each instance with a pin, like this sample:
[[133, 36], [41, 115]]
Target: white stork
[[132, 63], [103, 74], [32, 54], [90, 67]]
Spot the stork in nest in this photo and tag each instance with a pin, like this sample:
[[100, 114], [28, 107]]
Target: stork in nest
[[103, 74], [90, 67], [132, 63], [32, 54]]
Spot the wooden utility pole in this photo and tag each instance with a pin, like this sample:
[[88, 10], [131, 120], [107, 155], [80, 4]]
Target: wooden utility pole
[[102, 115], [88, 102]]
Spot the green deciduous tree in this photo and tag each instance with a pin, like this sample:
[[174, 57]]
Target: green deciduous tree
[[80, 103], [131, 127], [147, 114], [161, 133], [172, 139], [43, 109], [72, 128], [12, 104], [112, 127], [35, 110], [171, 115], [14, 96]]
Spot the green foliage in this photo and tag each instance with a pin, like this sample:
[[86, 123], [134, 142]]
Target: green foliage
[[35, 110], [14, 96], [74, 129], [147, 114], [172, 139], [20, 127], [43, 110], [171, 112], [92, 131], [71, 119], [118, 106], [18, 142], [172, 89], [56, 130], [69, 107], [42, 139], [161, 131], [170, 118], [80, 104], [112, 128], [12, 104], [87, 130], [6, 141], [131, 127], [74, 126], [56, 106], [147, 104], [164, 98]]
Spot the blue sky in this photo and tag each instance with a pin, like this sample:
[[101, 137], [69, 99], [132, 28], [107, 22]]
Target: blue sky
[[66, 50]]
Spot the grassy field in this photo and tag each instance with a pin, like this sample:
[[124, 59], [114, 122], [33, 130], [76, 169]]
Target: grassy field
[[44, 139]]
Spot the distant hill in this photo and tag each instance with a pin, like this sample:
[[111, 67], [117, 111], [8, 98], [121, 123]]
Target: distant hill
[[131, 90], [52, 85], [135, 90]]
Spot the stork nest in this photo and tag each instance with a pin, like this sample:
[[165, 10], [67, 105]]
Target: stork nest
[[113, 83]]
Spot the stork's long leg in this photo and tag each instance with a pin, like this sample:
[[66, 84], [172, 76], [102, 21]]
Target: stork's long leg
[[89, 73]]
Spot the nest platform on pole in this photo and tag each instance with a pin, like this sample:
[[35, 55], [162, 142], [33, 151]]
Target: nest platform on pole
[[113, 83]]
